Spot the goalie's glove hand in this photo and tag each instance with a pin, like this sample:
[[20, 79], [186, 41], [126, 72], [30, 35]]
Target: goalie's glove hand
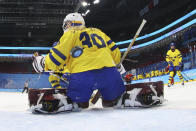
[[39, 63], [120, 68]]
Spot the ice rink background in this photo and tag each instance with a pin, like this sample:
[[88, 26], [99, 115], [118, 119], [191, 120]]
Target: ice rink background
[[177, 114]]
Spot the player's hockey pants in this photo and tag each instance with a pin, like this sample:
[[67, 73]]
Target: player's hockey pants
[[171, 75], [107, 80]]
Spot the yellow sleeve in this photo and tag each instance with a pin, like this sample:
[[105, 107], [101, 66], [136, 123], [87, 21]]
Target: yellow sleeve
[[116, 54], [60, 54], [167, 57], [179, 56], [54, 81]]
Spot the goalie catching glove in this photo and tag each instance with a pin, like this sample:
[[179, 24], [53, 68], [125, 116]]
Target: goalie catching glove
[[38, 63]]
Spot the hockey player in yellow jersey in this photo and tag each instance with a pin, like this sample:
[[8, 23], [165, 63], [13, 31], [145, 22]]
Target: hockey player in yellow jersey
[[174, 60], [95, 46], [60, 73], [91, 57]]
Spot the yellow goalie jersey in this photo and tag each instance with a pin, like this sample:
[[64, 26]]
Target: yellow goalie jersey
[[175, 57], [98, 51]]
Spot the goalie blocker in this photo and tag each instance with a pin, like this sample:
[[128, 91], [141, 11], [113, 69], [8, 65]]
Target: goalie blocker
[[136, 95]]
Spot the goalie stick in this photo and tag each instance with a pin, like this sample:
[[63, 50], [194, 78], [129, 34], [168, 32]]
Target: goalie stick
[[187, 77], [52, 73], [132, 42], [97, 95]]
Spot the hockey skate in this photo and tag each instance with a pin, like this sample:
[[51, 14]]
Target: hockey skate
[[182, 83]]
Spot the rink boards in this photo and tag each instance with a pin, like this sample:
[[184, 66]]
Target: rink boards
[[15, 82], [190, 73]]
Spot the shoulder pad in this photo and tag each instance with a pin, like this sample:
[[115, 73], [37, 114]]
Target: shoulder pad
[[177, 50], [168, 51]]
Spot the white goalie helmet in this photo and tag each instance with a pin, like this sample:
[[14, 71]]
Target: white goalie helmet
[[73, 19]]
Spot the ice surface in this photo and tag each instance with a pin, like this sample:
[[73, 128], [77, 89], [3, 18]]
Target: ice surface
[[177, 114]]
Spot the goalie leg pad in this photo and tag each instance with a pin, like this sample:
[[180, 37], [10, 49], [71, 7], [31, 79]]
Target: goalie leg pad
[[142, 95], [50, 101]]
